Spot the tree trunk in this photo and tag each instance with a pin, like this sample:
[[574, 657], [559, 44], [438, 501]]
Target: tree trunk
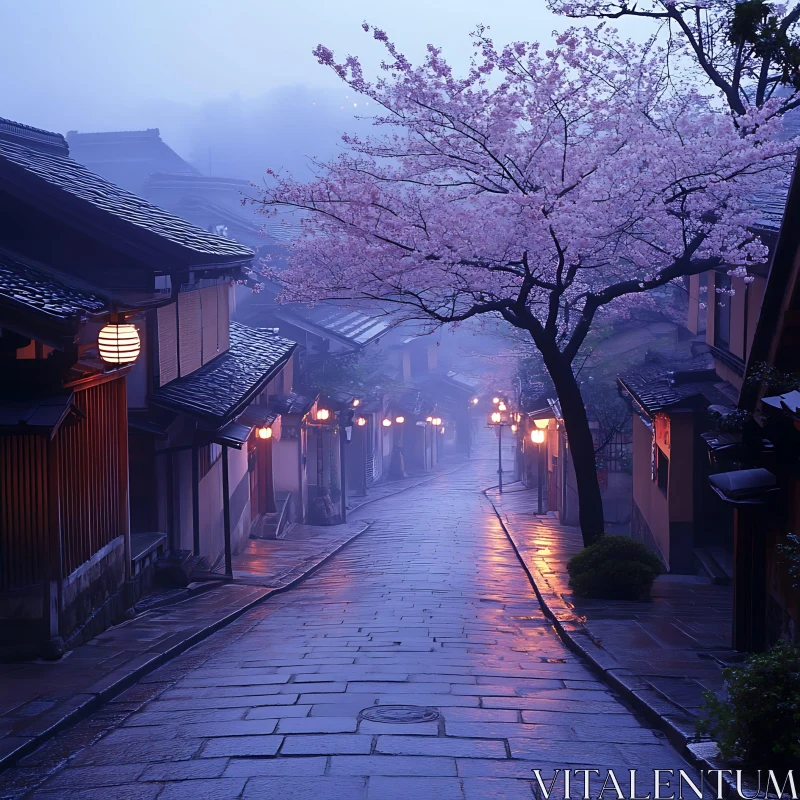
[[581, 446]]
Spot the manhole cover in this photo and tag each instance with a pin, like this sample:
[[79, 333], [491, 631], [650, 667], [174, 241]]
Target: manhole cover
[[400, 714]]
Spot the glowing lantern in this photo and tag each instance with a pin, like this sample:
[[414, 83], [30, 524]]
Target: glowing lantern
[[537, 436], [361, 422], [496, 417], [264, 433], [428, 419], [356, 403], [119, 343], [513, 429], [495, 400], [437, 420], [442, 430], [541, 424], [474, 401], [501, 407], [399, 420], [323, 414], [386, 423]]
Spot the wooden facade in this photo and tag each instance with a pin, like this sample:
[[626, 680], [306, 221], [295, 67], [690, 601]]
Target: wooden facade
[[63, 503], [78, 252]]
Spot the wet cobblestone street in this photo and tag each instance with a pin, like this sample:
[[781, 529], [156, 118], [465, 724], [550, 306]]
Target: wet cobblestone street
[[429, 607]]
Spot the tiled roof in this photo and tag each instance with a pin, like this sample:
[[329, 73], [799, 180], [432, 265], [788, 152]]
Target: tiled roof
[[39, 415], [72, 181], [771, 203], [219, 390], [107, 150], [355, 327], [659, 388], [34, 137], [292, 403], [30, 286]]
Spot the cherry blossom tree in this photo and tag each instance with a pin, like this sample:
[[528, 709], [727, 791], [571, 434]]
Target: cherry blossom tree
[[746, 48], [545, 188]]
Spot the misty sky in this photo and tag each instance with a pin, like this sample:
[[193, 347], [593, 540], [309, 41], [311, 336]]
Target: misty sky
[[231, 84]]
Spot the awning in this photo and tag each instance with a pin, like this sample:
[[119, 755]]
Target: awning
[[744, 486], [232, 435], [222, 389], [257, 416], [41, 416]]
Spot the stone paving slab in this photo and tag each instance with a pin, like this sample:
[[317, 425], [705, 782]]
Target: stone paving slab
[[433, 598], [662, 655], [41, 698]]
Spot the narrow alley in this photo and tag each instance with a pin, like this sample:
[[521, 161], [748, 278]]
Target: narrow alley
[[429, 608]]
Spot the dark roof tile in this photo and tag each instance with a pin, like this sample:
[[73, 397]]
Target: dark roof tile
[[660, 387], [222, 388], [31, 286], [292, 403], [76, 182]]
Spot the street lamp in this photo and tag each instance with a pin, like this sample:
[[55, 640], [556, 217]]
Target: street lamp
[[537, 437], [496, 418]]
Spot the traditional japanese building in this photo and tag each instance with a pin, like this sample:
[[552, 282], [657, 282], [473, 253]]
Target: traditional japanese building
[[115, 317], [143, 163], [758, 465], [684, 411]]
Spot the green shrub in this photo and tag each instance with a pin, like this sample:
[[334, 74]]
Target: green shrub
[[615, 568], [759, 720]]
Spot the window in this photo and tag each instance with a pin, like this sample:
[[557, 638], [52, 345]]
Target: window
[[662, 470], [209, 455], [722, 311]]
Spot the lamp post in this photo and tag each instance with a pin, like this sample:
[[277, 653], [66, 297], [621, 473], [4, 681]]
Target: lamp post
[[537, 437], [397, 467], [361, 424], [496, 419]]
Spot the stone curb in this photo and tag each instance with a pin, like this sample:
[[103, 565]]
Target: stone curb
[[576, 636], [28, 744]]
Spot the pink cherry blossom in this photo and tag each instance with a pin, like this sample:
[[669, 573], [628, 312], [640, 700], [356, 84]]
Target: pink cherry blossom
[[546, 188]]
